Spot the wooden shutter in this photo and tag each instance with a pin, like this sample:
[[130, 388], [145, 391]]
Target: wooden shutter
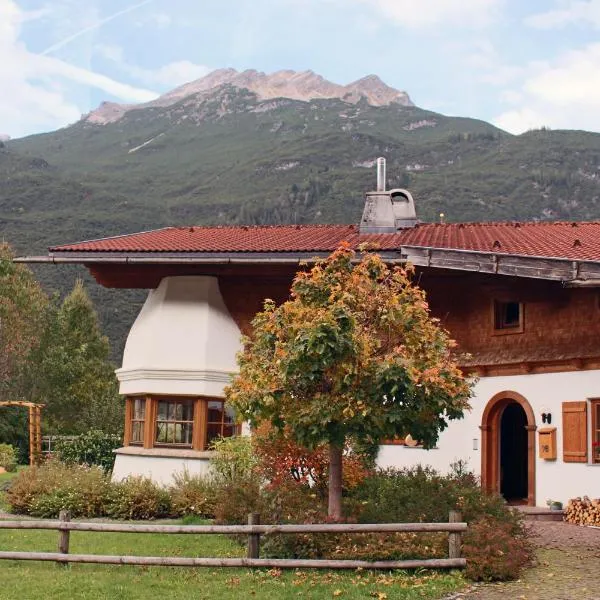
[[574, 417]]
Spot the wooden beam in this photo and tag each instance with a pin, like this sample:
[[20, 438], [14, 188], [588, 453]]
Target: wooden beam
[[282, 563]]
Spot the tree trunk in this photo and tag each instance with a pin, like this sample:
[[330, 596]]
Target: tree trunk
[[335, 482]]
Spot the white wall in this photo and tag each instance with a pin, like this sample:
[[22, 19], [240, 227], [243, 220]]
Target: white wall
[[183, 342], [545, 393], [158, 467]]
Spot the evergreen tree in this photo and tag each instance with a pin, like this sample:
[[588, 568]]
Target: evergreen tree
[[71, 371], [22, 307]]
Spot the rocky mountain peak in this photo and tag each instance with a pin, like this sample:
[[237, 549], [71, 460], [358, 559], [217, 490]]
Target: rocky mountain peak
[[296, 85]]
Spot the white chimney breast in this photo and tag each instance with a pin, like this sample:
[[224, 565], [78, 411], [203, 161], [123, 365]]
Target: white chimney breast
[[183, 342]]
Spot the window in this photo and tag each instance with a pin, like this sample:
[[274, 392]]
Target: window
[[138, 420], [220, 422], [508, 317], [595, 406], [176, 422]]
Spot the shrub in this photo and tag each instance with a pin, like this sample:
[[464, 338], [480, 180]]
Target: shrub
[[421, 494], [193, 495], [45, 491], [495, 551], [234, 500], [8, 458], [234, 458], [91, 448], [139, 498], [280, 459]]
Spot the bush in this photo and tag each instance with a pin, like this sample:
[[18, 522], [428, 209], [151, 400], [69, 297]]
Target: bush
[[234, 458], [234, 500], [45, 491], [495, 551], [193, 495], [91, 448], [423, 495], [8, 458], [280, 459], [139, 498]]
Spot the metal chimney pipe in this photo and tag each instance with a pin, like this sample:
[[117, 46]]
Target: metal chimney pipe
[[381, 174]]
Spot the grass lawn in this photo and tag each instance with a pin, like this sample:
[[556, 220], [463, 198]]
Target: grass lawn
[[33, 580]]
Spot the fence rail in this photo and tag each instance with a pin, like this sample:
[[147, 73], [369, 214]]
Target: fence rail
[[253, 530]]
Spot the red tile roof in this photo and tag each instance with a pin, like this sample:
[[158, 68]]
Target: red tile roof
[[576, 241]]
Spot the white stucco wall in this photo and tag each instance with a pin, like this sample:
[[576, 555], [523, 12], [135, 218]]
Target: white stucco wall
[[159, 465], [545, 393], [183, 342]]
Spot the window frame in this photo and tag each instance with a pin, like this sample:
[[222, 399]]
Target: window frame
[[133, 421], [199, 421], [167, 422], [595, 430], [500, 328]]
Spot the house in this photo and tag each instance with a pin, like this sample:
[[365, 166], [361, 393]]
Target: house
[[521, 299]]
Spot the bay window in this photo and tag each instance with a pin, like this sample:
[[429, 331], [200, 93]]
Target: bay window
[[177, 422]]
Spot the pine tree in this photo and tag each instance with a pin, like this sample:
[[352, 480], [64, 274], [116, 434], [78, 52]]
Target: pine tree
[[71, 371]]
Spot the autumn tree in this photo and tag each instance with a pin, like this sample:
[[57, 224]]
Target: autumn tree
[[354, 354]]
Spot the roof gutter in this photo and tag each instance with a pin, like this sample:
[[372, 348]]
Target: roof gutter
[[571, 273]]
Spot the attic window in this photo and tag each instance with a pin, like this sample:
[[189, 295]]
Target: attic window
[[508, 317]]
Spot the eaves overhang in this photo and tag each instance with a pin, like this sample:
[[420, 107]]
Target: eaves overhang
[[572, 273]]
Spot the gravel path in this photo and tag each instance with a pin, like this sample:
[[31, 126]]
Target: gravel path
[[568, 567]]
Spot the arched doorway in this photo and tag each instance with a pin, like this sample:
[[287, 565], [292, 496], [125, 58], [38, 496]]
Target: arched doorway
[[508, 448]]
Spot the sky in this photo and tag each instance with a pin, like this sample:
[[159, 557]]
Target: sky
[[520, 64]]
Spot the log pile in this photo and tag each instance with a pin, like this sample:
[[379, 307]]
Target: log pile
[[583, 511]]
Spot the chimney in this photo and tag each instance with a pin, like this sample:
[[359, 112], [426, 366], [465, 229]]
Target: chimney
[[387, 211], [381, 174]]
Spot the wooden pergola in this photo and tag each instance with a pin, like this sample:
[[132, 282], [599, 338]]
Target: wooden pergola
[[35, 428]]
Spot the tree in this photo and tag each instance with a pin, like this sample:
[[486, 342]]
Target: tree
[[353, 355], [71, 372], [22, 306]]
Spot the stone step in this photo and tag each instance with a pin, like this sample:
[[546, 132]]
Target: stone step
[[539, 513]]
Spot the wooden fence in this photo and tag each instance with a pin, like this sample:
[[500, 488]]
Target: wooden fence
[[254, 530]]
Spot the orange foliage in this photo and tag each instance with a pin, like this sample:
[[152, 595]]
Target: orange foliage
[[282, 459]]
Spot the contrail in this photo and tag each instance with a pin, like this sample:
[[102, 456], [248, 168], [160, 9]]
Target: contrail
[[85, 30]]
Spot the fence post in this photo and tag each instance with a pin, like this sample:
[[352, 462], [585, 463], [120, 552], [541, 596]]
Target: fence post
[[253, 538], [63, 534], [454, 537]]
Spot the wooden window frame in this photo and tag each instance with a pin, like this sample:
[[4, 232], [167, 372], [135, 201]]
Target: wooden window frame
[[131, 404], [595, 431], [199, 423], [503, 329], [167, 421]]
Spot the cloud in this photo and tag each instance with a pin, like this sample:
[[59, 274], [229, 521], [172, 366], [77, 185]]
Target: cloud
[[40, 86], [575, 12], [416, 14], [168, 76], [173, 74], [562, 94], [157, 19]]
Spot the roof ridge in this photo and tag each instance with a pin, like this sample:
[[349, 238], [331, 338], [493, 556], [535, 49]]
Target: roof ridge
[[245, 227]]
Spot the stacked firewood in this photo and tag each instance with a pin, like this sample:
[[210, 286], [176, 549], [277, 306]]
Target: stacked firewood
[[583, 511]]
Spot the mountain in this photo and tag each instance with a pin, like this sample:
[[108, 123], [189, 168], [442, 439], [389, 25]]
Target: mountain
[[305, 86], [215, 151]]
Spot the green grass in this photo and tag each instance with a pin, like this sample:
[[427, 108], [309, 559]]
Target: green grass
[[32, 580]]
